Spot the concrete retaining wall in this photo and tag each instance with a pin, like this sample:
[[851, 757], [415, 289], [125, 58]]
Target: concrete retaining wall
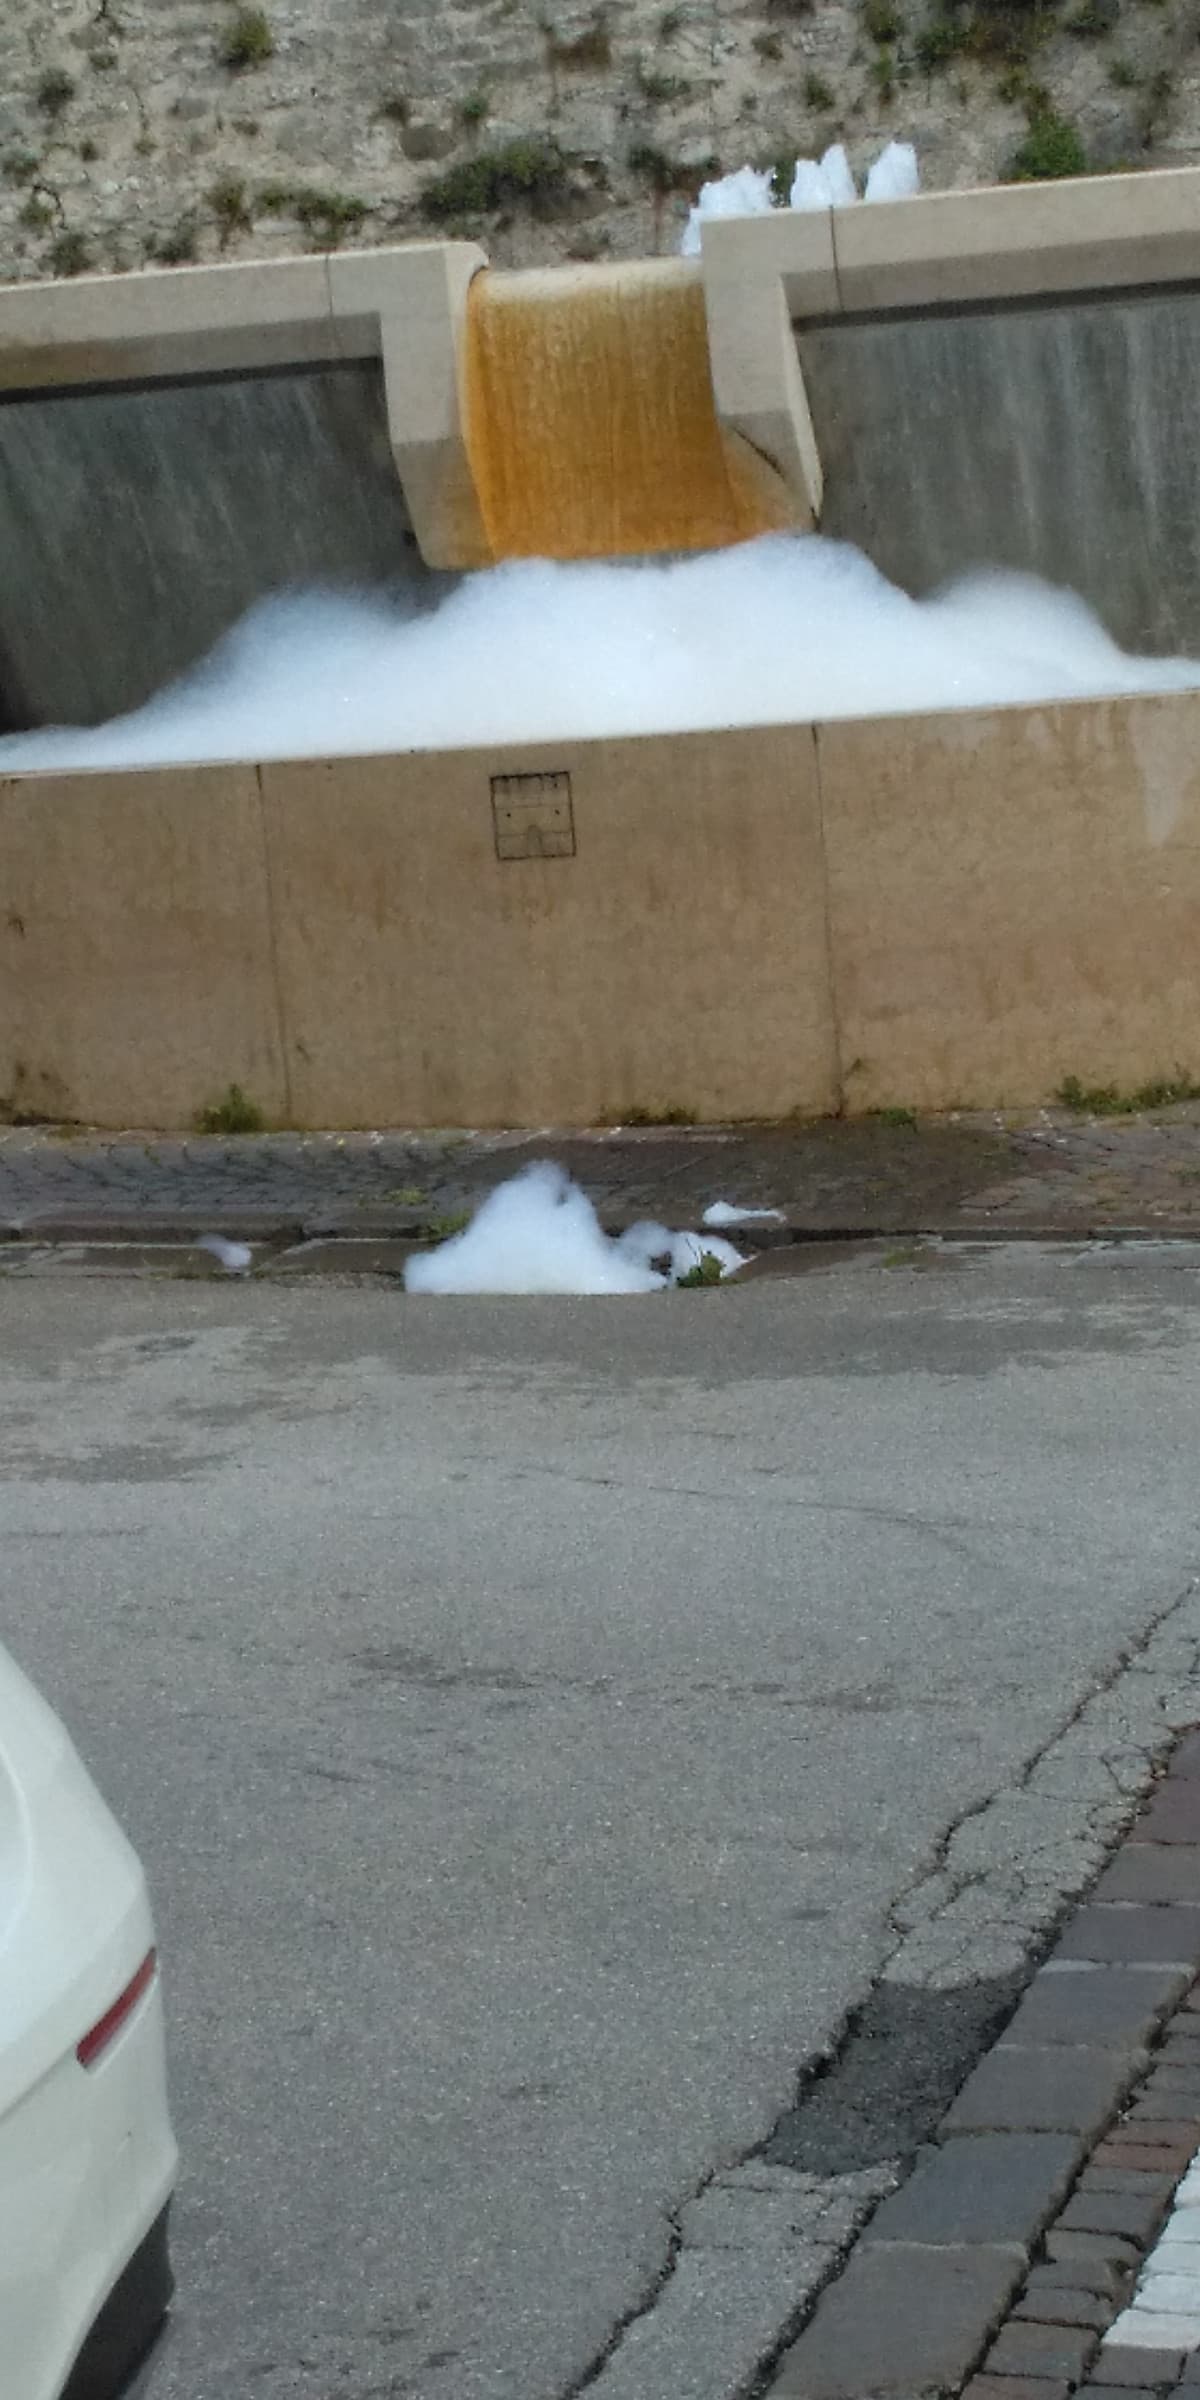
[[1014, 898], [135, 946], [994, 377], [149, 403], [675, 961], [955, 910], [1054, 440], [140, 522]]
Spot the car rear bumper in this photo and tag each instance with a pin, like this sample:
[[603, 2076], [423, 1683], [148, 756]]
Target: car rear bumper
[[87, 2168], [128, 2322]]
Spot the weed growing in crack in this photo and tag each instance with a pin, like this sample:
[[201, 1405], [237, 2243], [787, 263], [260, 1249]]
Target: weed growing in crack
[[233, 1113]]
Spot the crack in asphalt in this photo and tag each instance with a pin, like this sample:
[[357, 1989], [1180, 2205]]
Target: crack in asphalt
[[639, 2308], [1048, 1901], [948, 1885]]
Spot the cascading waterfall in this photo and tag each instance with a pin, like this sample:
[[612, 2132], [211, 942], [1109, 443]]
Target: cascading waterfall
[[592, 427]]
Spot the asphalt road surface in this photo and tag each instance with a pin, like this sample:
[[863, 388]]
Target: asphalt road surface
[[533, 1716]]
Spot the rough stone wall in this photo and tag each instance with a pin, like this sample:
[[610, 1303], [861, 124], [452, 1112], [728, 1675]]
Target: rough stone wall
[[128, 134]]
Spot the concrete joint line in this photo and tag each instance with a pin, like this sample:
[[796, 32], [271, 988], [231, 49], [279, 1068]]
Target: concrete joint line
[[837, 262], [837, 1063], [282, 1029]]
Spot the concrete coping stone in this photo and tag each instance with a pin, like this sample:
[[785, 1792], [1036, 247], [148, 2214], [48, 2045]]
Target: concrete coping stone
[[1085, 234]]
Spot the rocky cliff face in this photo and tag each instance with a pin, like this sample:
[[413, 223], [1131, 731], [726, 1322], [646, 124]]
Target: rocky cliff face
[[143, 131]]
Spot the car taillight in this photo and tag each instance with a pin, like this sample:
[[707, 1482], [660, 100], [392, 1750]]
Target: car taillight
[[107, 2027]]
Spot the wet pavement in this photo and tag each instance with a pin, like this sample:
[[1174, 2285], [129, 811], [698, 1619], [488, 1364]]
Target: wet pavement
[[1044, 1172]]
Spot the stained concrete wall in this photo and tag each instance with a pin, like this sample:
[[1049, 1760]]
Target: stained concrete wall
[[998, 376], [1055, 438], [1014, 898], [955, 910], [140, 522], [175, 443], [676, 961], [343, 939], [136, 976]]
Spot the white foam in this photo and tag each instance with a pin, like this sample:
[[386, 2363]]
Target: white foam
[[722, 1212], [539, 1233], [835, 167], [788, 628], [809, 188], [678, 1254], [235, 1257], [895, 174], [690, 1250], [827, 182], [748, 193]]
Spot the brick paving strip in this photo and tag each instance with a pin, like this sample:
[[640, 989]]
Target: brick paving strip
[[1013, 2263], [1049, 1173]]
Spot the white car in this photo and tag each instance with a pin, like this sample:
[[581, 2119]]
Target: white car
[[87, 2156]]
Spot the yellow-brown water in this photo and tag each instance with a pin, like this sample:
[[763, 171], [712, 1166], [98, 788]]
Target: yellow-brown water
[[591, 422]]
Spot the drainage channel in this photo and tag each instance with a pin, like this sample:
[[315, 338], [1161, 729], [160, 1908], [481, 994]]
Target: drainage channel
[[284, 1253]]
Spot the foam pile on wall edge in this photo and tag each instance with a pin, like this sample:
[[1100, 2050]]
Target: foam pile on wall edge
[[817, 183], [540, 1233]]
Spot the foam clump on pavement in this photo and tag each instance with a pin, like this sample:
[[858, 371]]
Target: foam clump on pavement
[[235, 1257], [540, 1233], [723, 1212]]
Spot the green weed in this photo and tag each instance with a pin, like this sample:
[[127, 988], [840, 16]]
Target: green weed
[[1007, 33], [590, 49], [444, 1228], [70, 254], [1107, 1100], [1051, 149], [659, 1116], [54, 91], [940, 39], [707, 1270], [247, 40], [176, 248], [883, 72], [234, 1113], [662, 91], [325, 216], [230, 205], [529, 170]]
